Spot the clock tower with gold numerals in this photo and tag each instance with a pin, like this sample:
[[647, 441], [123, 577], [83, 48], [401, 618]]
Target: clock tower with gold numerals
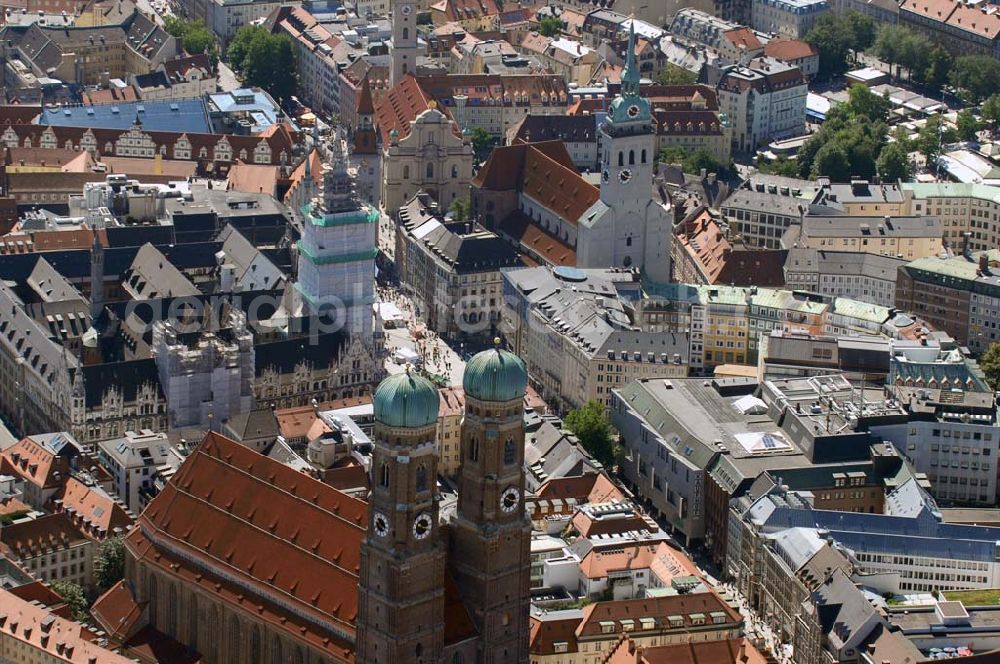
[[490, 533], [401, 586], [404, 41]]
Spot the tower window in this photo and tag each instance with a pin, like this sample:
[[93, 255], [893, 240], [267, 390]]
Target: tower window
[[474, 450], [421, 478], [406, 172], [430, 169], [454, 171], [509, 452], [628, 242], [644, 155], [406, 33], [621, 158], [384, 479], [631, 157]]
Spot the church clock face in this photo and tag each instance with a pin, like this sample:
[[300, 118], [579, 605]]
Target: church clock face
[[509, 499], [381, 524], [406, 9], [422, 526], [625, 175], [633, 111]]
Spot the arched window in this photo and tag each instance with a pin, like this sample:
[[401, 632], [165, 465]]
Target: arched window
[[457, 658], [384, 479], [193, 622], [419, 650], [406, 172], [509, 452], [631, 157], [430, 169], [474, 450], [421, 477], [255, 649], [644, 155], [406, 33], [628, 242], [621, 158], [154, 599], [276, 650], [172, 627], [234, 640], [454, 171]]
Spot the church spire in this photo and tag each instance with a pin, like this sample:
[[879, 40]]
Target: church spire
[[630, 76]]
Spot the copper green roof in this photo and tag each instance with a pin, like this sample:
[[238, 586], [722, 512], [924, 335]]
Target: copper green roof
[[495, 375], [406, 400]]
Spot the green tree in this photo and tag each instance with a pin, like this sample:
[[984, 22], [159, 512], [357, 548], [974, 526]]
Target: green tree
[[264, 60], [460, 209], [833, 162], [672, 154], [676, 75], [967, 125], [932, 136], [836, 35], [175, 26], [939, 64], [109, 564], [550, 26], [976, 76], [894, 163], [989, 362], [482, 143], [990, 110], [240, 45], [75, 598], [854, 130], [590, 424], [865, 104], [782, 165]]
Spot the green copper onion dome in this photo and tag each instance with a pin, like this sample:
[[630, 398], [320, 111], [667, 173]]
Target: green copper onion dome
[[406, 400], [495, 375]]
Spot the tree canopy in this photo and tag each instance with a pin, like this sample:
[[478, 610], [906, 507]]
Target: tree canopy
[[264, 60], [975, 76], [894, 163], [836, 35], [550, 26], [75, 598], [676, 75], [693, 162], [989, 362], [590, 424], [990, 110], [850, 141], [194, 36], [109, 564]]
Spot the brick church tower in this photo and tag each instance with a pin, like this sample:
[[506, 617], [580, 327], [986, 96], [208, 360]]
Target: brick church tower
[[490, 533], [401, 596]]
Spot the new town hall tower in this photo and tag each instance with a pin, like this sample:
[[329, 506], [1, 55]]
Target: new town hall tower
[[409, 561]]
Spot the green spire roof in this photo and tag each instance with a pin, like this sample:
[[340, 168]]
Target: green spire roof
[[630, 75], [495, 375], [406, 400]]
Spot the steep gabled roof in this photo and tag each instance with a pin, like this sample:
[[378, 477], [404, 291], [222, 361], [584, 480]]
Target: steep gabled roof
[[282, 534]]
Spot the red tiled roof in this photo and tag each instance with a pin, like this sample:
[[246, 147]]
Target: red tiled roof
[[28, 539], [117, 612], [290, 540], [589, 488], [31, 462], [95, 508], [556, 186], [400, 107], [975, 20], [743, 37], [520, 228], [727, 651], [261, 520], [789, 50], [40, 594], [365, 103]]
